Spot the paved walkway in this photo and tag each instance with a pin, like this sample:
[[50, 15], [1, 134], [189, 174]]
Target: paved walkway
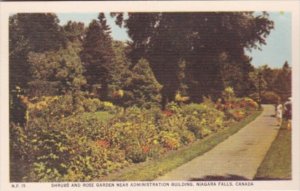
[[237, 158]]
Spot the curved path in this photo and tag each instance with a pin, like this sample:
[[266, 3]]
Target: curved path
[[237, 158]]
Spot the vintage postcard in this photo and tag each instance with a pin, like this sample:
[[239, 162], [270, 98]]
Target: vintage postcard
[[150, 95]]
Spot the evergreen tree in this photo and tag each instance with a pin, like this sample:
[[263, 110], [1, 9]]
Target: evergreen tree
[[97, 55], [283, 82], [121, 65], [141, 87]]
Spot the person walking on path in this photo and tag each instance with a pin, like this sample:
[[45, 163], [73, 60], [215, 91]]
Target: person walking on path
[[279, 110]]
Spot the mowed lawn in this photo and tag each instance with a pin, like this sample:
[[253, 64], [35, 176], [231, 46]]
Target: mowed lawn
[[103, 115], [277, 162]]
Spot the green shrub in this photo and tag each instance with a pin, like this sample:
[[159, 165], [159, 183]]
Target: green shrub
[[187, 137], [176, 123], [199, 127], [236, 114], [246, 104], [19, 152], [155, 149], [228, 94], [63, 144], [170, 140], [194, 125], [49, 151], [204, 131], [135, 154], [65, 148], [91, 105], [173, 107], [52, 107], [270, 97], [106, 106], [129, 133], [194, 109], [203, 115]]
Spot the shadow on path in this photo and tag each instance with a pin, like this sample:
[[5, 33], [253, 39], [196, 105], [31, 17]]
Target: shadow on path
[[268, 178], [216, 178]]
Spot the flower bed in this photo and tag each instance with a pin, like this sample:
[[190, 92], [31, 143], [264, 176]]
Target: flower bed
[[58, 144]]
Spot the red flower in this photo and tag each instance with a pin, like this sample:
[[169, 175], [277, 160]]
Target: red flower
[[103, 143], [145, 149], [168, 113]]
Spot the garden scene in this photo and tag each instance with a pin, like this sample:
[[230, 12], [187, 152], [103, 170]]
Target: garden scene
[[87, 107]]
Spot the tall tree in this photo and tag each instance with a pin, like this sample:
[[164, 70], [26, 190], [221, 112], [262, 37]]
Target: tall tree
[[36, 32], [74, 31], [97, 54], [283, 82], [236, 74], [269, 75], [121, 64], [198, 38]]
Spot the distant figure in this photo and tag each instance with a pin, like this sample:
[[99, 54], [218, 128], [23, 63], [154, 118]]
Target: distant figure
[[279, 110], [288, 113]]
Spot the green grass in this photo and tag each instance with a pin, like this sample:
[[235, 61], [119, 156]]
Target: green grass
[[151, 169], [102, 115], [277, 163]]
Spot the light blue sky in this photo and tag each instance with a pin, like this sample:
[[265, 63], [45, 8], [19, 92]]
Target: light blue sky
[[274, 53], [116, 32], [279, 47]]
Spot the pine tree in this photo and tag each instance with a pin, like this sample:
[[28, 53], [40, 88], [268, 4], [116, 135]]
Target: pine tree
[[141, 87], [97, 55]]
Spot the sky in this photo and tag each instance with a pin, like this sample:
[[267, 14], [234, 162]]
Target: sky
[[277, 50], [116, 32], [279, 46]]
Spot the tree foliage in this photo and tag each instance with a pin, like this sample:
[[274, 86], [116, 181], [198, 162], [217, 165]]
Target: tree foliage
[[61, 132], [36, 32], [74, 31], [276, 84], [198, 38], [282, 83], [141, 87], [61, 71], [97, 54]]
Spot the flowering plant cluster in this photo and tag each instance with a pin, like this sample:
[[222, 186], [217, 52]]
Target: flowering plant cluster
[[59, 143]]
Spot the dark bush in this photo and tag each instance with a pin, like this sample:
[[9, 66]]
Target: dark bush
[[136, 154], [270, 97]]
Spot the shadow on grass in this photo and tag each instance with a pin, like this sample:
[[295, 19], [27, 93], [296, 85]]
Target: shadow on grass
[[229, 177], [270, 178]]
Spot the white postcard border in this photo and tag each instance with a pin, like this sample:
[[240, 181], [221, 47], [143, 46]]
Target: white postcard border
[[6, 8]]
